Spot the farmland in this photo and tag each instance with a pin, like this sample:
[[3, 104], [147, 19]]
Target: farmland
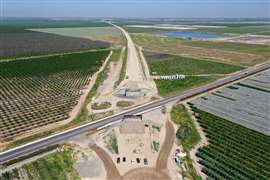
[[234, 152], [223, 52], [36, 43], [251, 112], [18, 40], [199, 72], [107, 33], [41, 91], [169, 88], [188, 66]]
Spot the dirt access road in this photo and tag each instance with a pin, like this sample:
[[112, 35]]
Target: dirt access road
[[157, 173], [134, 70], [166, 147]]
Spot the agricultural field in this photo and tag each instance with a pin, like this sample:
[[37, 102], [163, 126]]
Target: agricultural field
[[184, 65], [18, 40], [107, 33], [233, 152], [58, 165], [36, 43], [168, 88], [198, 72], [223, 52], [231, 103], [41, 91]]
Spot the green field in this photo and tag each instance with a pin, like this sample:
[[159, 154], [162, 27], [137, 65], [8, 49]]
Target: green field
[[56, 166], [87, 61], [170, 87], [189, 66], [234, 152]]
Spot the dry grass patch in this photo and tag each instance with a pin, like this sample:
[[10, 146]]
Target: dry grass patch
[[178, 47]]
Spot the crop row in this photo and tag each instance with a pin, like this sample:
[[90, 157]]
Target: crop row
[[234, 152], [38, 92]]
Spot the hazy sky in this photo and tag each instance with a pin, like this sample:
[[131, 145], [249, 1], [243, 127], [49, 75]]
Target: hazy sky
[[134, 8]]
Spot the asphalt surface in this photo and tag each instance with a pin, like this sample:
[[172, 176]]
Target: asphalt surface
[[60, 137]]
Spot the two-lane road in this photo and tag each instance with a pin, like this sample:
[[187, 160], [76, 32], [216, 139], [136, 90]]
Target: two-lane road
[[60, 137]]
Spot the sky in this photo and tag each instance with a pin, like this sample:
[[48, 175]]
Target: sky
[[136, 8]]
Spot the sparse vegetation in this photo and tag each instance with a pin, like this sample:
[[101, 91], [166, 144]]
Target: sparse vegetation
[[156, 127], [123, 69], [156, 146], [228, 53], [102, 105], [97, 116], [58, 165], [232, 46], [124, 103], [111, 142]]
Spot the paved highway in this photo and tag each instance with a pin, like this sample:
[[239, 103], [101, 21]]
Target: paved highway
[[60, 137]]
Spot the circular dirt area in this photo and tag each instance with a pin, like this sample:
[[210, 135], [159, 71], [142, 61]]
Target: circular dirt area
[[145, 173]]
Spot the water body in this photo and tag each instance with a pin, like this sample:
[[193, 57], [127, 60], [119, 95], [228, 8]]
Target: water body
[[193, 35]]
